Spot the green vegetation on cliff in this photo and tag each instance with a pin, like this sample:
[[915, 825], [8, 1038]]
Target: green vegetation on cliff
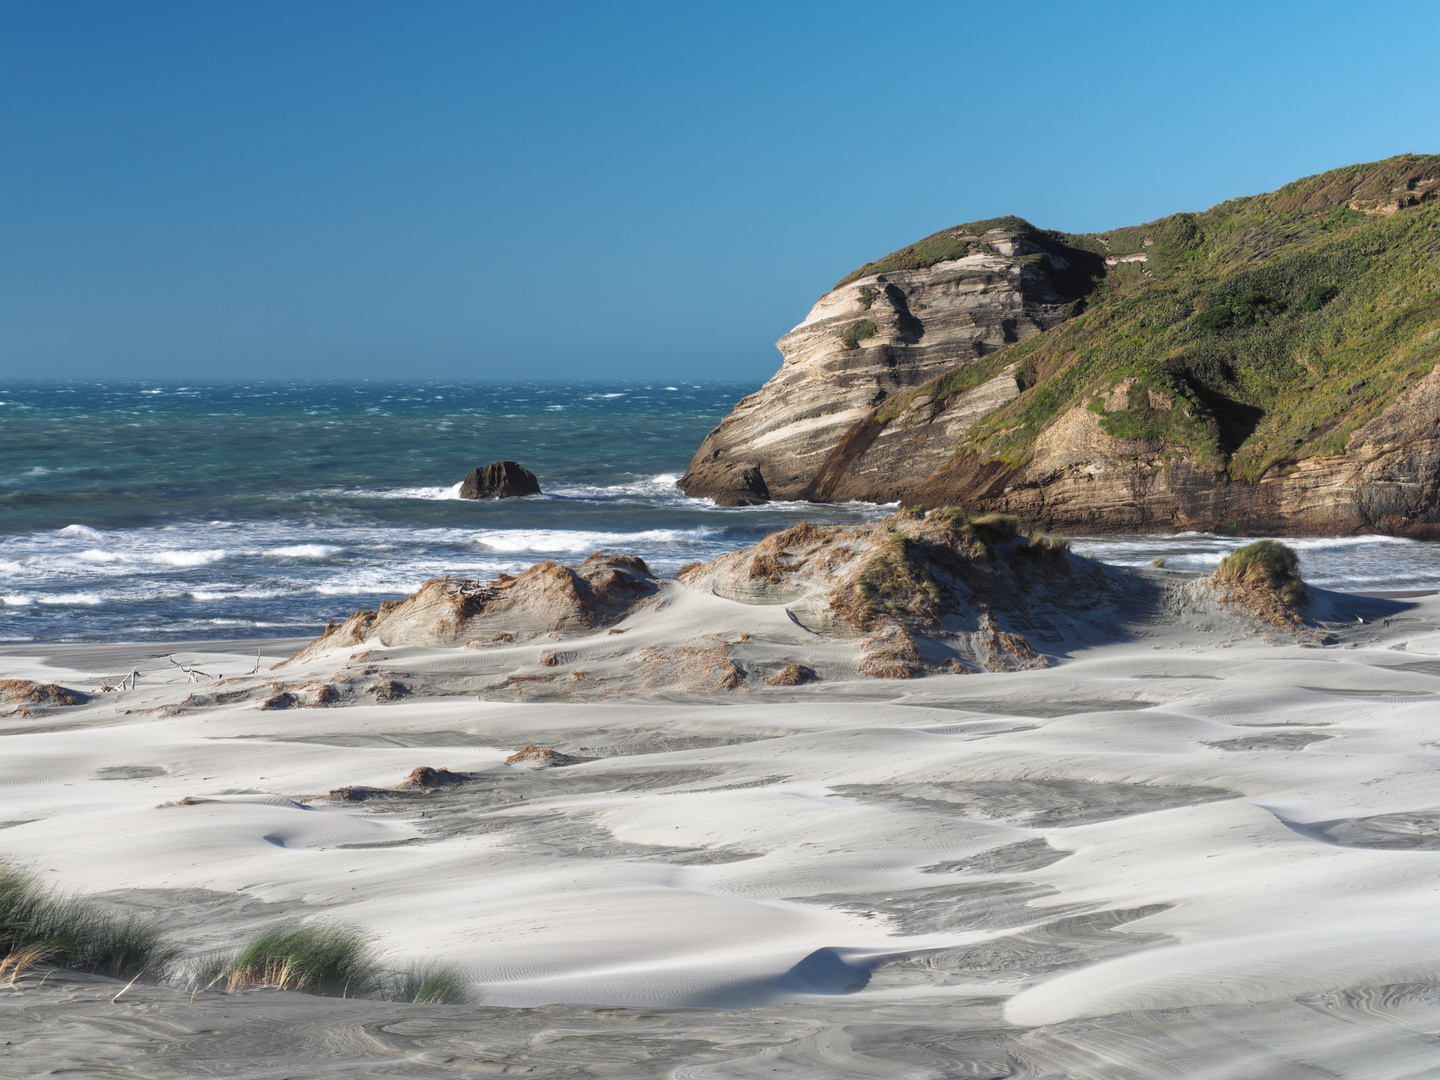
[[1252, 335]]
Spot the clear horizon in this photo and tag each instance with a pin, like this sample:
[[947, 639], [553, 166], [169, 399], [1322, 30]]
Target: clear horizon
[[330, 191]]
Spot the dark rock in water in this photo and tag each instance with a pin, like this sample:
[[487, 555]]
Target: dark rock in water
[[503, 480], [728, 483]]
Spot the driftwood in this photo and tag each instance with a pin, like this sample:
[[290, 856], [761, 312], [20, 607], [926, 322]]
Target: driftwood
[[191, 674], [127, 682]]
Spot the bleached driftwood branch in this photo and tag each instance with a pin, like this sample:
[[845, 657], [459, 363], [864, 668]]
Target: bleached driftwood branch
[[191, 674]]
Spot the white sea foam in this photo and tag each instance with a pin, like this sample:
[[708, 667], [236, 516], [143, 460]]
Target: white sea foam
[[190, 558], [78, 530], [16, 600], [85, 599], [307, 551], [574, 542], [95, 555], [451, 492]]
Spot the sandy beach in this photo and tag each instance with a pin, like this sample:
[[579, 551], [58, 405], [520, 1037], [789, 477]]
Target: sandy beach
[[1193, 844]]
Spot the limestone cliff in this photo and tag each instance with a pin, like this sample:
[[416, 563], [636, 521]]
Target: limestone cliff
[[1269, 365]]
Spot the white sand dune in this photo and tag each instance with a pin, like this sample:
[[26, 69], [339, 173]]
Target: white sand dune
[[1192, 846]]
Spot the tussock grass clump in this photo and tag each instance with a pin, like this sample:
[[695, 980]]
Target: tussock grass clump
[[1265, 576], [1045, 547], [330, 959], [896, 584], [793, 675], [992, 530], [39, 923], [338, 960], [431, 984]]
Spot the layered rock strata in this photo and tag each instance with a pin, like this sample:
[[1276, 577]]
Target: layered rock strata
[[1081, 479], [863, 343], [1268, 366]]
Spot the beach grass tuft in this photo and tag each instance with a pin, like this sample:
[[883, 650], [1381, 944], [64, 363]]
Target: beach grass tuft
[[1265, 576], [431, 984], [330, 959], [40, 923]]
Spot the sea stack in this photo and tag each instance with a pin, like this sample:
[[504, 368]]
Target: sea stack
[[502, 480]]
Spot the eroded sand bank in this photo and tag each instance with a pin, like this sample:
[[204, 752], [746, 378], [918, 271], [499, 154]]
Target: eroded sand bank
[[1193, 846]]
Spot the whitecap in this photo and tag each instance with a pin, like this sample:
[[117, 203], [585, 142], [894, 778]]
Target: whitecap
[[86, 599], [95, 555], [15, 600], [190, 558], [307, 551], [77, 530], [451, 492], [565, 541], [668, 479], [670, 388]]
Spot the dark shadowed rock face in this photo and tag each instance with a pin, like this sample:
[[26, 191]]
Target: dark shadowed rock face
[[502, 480]]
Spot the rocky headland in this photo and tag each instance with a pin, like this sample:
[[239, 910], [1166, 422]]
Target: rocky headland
[[1268, 365]]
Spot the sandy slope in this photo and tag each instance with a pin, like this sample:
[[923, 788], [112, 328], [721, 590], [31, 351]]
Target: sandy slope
[[1191, 847]]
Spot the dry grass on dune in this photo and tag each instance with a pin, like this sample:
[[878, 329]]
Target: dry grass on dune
[[33, 693], [1264, 577]]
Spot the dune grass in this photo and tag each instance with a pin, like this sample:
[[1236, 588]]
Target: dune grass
[[430, 984], [1265, 576], [337, 960], [1267, 563], [325, 958], [40, 923]]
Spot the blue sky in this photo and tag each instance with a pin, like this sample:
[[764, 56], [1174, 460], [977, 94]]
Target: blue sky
[[588, 190]]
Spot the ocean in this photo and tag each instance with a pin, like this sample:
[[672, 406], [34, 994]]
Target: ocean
[[158, 511]]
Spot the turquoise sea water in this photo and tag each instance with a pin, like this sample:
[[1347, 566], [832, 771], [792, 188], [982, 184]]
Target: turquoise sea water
[[133, 511]]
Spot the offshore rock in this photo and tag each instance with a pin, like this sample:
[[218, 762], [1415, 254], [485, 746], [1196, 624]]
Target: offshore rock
[[502, 480]]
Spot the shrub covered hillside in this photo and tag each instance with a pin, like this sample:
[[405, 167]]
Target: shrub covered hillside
[[1255, 334]]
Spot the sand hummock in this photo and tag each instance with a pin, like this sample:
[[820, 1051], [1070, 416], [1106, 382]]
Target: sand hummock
[[1135, 831]]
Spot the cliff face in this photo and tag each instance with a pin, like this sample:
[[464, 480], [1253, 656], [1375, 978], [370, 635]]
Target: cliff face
[[1269, 365], [872, 338]]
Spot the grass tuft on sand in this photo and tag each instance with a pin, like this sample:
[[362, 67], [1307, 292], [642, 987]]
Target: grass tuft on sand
[[1265, 577], [330, 959], [431, 984], [39, 923], [338, 960]]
